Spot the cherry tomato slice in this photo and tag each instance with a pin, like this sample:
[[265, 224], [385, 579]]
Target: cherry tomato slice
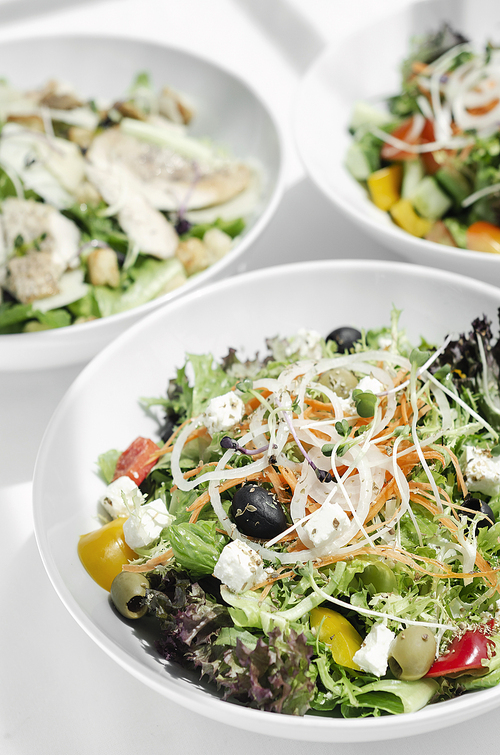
[[388, 152], [137, 460], [483, 237]]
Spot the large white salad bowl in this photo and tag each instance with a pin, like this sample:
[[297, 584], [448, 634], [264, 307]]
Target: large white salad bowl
[[366, 66], [101, 411], [227, 110]]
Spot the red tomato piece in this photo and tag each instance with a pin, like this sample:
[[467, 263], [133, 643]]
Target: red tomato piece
[[427, 136], [137, 460], [465, 654], [483, 237], [388, 152]]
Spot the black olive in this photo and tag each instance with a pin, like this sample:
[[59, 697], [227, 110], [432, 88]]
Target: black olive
[[345, 337], [182, 226], [257, 513], [477, 505]]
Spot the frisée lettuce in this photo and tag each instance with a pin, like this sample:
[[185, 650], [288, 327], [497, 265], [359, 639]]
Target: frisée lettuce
[[318, 521]]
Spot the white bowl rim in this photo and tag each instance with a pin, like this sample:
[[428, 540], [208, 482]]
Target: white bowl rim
[[391, 229], [247, 240], [307, 728]]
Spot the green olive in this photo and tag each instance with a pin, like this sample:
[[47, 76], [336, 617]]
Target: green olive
[[380, 577], [340, 381], [127, 590], [412, 653]]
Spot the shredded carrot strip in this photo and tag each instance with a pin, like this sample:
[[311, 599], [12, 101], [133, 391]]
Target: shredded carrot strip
[[289, 478], [170, 442], [456, 465], [151, 564], [277, 482], [404, 409], [405, 558], [319, 405], [387, 492], [204, 498]]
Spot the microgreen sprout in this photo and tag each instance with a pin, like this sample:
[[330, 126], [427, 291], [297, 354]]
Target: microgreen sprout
[[419, 358], [321, 474], [244, 385], [365, 402], [343, 428], [227, 442]]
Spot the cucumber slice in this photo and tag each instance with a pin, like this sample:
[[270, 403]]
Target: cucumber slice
[[429, 200], [364, 114], [454, 183], [357, 162], [413, 173]]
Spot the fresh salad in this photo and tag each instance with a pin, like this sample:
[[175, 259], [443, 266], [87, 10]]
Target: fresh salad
[[105, 206], [316, 530], [430, 157]]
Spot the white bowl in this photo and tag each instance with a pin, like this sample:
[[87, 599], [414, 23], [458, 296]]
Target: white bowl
[[228, 110], [101, 411], [366, 66]]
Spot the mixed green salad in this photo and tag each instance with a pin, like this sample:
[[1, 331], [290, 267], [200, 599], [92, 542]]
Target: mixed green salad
[[105, 206], [430, 155], [316, 530]]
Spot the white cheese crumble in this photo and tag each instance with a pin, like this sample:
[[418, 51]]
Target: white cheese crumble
[[145, 524], [239, 567], [369, 383], [307, 344], [482, 471], [223, 412], [118, 497], [384, 342], [373, 654], [327, 523]]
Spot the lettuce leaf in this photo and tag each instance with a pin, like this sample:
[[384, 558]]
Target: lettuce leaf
[[270, 673], [196, 546]]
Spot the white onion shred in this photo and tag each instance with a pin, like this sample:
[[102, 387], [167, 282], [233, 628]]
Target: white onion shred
[[364, 460]]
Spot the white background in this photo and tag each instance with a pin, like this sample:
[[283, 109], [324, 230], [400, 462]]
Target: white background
[[59, 693]]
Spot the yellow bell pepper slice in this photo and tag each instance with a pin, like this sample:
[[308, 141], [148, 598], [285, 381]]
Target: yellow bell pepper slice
[[103, 552], [334, 630], [405, 216], [384, 186]]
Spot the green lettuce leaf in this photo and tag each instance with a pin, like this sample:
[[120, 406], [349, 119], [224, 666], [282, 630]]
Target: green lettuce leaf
[[197, 546]]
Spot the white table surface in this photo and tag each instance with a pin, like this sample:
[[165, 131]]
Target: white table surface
[[59, 693]]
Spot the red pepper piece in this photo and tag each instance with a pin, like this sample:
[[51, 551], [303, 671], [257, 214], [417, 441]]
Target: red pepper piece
[[465, 654], [137, 460]]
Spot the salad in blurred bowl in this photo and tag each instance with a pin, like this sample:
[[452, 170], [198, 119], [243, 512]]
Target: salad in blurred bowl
[[118, 193], [431, 158], [398, 126]]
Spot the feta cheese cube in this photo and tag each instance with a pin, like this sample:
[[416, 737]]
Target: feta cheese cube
[[373, 654], [482, 471], [239, 567], [118, 498], [307, 344], [327, 523], [145, 524], [223, 412], [369, 383]]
